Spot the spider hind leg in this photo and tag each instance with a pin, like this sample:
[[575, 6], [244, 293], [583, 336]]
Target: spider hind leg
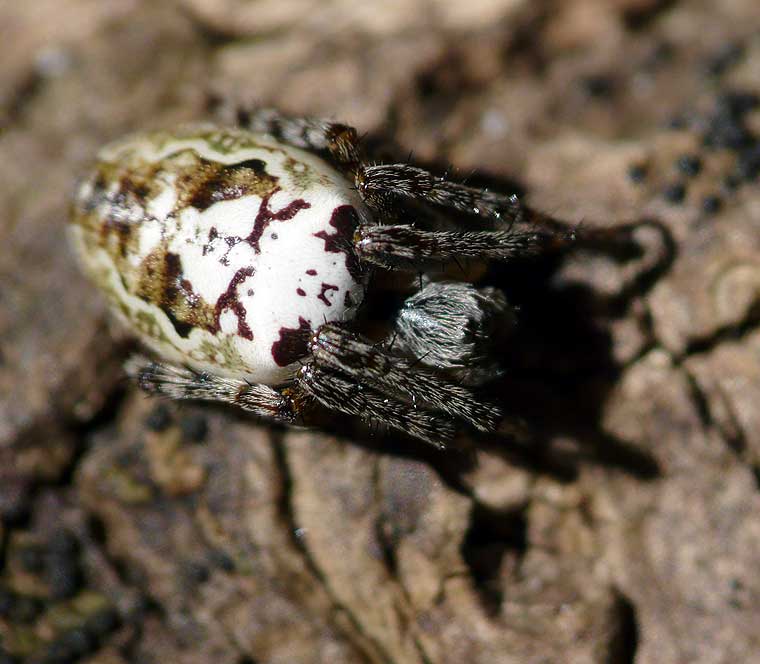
[[338, 143], [178, 382]]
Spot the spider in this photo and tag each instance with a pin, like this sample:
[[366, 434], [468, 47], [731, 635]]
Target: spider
[[241, 255]]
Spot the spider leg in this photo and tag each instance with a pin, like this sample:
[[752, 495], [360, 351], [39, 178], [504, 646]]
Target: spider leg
[[334, 348], [405, 247], [381, 183], [181, 383], [339, 393], [337, 142], [455, 327]]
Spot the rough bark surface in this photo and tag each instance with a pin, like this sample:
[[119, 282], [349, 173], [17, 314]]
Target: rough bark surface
[[626, 529]]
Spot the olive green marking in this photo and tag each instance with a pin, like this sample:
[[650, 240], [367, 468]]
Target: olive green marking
[[147, 324], [224, 141], [302, 176], [208, 351]]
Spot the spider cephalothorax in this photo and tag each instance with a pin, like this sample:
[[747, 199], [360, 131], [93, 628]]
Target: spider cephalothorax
[[241, 256]]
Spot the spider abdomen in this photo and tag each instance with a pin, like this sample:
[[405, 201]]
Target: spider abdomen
[[222, 249]]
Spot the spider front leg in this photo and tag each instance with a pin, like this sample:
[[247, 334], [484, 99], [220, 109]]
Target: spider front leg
[[334, 348], [350, 374], [406, 247], [180, 383], [380, 184]]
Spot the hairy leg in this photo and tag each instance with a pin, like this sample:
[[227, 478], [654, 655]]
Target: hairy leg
[[335, 348], [381, 183], [407, 247], [332, 391], [339, 393], [181, 383]]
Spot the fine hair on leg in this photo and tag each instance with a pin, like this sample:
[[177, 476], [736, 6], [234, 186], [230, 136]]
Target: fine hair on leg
[[181, 383], [337, 349], [456, 327], [405, 247], [381, 182], [339, 393]]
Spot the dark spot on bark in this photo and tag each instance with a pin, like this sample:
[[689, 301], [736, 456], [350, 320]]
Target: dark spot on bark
[[301, 292], [292, 344], [159, 419], [731, 182], [599, 85], [711, 204], [229, 300], [266, 216], [727, 127], [325, 288], [274, 236], [250, 292], [344, 220], [724, 58], [99, 183], [689, 164], [637, 173], [748, 163], [675, 193], [311, 273]]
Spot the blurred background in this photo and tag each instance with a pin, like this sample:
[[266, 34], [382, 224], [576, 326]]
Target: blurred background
[[626, 530]]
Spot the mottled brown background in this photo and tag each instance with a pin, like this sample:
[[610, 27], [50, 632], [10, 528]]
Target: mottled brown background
[[627, 531]]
